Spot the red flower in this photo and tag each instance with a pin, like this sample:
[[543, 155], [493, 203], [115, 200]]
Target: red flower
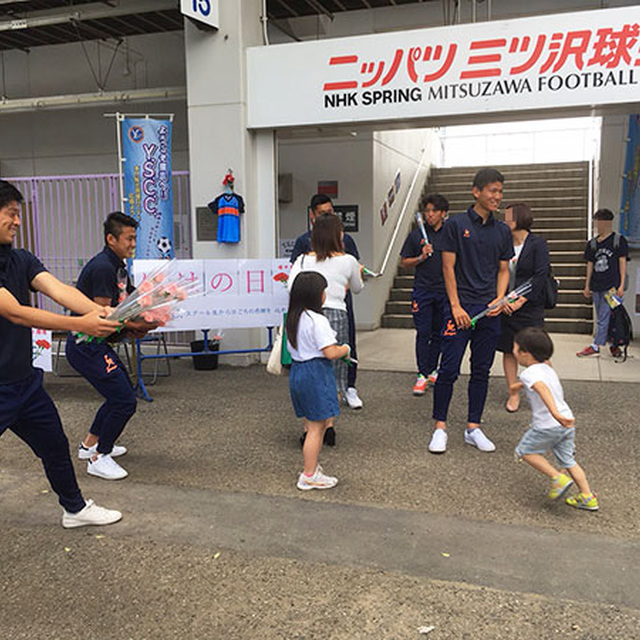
[[281, 277], [43, 344]]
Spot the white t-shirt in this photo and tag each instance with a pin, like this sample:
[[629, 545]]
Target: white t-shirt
[[541, 372], [339, 271], [314, 334]]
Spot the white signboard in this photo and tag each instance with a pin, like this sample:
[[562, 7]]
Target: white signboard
[[205, 11], [567, 60], [238, 293], [41, 341]]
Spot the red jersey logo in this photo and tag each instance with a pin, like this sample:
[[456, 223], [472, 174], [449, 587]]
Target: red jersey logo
[[450, 329], [110, 364], [466, 234]]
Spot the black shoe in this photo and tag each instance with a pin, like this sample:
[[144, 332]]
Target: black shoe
[[303, 437], [330, 437]]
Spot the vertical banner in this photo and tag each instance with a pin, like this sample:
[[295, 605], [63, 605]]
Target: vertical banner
[[146, 166], [630, 207]]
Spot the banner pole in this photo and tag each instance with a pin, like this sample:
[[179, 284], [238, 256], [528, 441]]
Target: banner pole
[[119, 119]]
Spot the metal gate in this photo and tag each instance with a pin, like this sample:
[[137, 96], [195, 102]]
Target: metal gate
[[63, 216]]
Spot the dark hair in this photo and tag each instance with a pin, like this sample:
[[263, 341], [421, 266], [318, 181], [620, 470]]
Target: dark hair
[[522, 215], [487, 176], [536, 341], [325, 236], [115, 222], [318, 199], [306, 294], [439, 202], [603, 214], [8, 194]]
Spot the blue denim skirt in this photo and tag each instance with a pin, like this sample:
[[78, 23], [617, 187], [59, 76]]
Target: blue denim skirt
[[312, 386]]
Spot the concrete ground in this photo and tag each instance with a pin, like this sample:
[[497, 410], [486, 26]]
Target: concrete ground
[[216, 542]]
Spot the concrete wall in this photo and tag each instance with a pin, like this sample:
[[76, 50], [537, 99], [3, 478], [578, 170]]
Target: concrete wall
[[69, 141], [365, 167]]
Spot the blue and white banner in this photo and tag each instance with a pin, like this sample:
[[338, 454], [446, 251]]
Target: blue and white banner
[[630, 207], [146, 155]]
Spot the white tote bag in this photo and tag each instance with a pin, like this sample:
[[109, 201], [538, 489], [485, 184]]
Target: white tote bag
[[274, 364]]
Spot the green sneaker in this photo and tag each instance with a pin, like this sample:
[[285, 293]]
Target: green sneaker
[[580, 501], [560, 486]]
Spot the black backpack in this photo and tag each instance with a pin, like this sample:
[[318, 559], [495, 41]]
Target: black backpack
[[620, 331], [551, 286]]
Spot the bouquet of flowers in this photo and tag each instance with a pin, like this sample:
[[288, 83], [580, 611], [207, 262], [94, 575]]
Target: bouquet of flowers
[[522, 290], [156, 300]]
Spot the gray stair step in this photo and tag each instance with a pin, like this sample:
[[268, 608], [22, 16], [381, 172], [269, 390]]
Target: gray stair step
[[569, 233], [397, 322], [574, 311], [565, 296], [403, 282], [570, 282], [556, 325], [574, 269], [557, 245], [565, 257]]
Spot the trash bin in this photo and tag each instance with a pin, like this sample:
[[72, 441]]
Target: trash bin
[[207, 362]]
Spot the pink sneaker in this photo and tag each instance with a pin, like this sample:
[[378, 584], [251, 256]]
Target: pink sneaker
[[588, 352], [420, 387]]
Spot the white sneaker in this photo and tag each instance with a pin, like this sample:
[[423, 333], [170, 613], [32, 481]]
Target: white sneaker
[[92, 514], [438, 442], [352, 398], [84, 453], [476, 438], [106, 467], [317, 481]]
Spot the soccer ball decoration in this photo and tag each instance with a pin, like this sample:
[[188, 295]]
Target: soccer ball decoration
[[164, 246]]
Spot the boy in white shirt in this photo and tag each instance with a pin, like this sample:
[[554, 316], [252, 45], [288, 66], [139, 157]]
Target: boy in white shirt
[[552, 426]]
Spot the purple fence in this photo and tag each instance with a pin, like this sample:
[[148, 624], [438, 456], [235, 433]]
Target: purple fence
[[63, 215]]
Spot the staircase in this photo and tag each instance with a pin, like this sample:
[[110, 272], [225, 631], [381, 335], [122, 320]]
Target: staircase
[[558, 195]]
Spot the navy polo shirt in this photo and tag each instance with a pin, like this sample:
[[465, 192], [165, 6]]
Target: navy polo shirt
[[18, 268], [428, 273], [105, 276], [479, 248], [303, 245]]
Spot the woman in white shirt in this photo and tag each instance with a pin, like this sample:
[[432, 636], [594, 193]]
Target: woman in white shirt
[[342, 272]]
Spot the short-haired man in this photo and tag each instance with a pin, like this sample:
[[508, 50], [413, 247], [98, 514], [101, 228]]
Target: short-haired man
[[105, 280], [606, 256], [25, 407], [428, 298], [319, 205], [476, 250]]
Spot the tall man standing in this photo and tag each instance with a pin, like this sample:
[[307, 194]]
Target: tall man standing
[[321, 204], [105, 280], [25, 407], [476, 250]]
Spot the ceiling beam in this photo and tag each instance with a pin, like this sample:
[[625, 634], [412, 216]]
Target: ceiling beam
[[78, 13]]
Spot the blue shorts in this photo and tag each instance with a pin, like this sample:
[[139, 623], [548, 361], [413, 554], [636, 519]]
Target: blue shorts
[[559, 440], [312, 386]]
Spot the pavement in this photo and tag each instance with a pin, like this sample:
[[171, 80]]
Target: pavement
[[216, 542]]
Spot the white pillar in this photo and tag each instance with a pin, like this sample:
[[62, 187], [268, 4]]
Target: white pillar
[[219, 139]]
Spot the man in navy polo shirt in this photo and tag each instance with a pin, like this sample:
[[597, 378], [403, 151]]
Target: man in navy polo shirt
[[321, 205], [25, 407], [105, 280], [428, 298], [476, 250]]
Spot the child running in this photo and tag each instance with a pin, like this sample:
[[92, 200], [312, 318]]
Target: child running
[[552, 426], [312, 343]]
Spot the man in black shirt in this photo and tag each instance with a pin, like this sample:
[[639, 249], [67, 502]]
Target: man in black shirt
[[428, 298], [105, 280], [25, 407], [476, 249]]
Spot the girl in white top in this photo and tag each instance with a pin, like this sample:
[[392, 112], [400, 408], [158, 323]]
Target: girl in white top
[[312, 344], [342, 272]]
